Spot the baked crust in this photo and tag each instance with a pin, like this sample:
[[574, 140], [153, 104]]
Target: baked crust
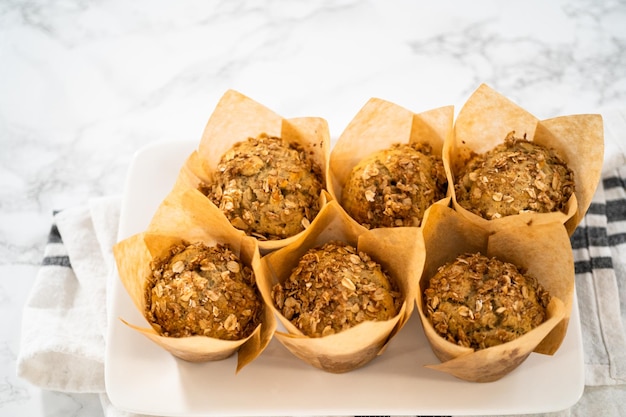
[[334, 287], [515, 177], [267, 187], [479, 302], [202, 290], [394, 187]]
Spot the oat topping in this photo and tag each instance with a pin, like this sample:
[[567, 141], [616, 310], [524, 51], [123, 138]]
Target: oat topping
[[480, 302], [334, 287], [515, 177], [267, 187], [395, 186], [201, 290]]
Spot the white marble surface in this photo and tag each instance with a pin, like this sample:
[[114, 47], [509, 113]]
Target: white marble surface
[[83, 84]]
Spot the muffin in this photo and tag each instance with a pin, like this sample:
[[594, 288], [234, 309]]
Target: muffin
[[515, 177], [479, 302], [202, 290], [333, 288], [393, 187], [267, 187], [334, 281]]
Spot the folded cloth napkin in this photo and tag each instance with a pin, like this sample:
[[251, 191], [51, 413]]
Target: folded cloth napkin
[[599, 245], [64, 319]]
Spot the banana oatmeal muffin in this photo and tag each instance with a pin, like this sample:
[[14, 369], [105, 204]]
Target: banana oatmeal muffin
[[478, 302], [515, 177], [202, 290], [267, 187], [335, 287], [394, 187]]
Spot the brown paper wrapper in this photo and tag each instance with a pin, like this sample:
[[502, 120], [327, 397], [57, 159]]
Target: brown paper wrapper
[[400, 253], [194, 173], [181, 216], [484, 122], [543, 250], [237, 118], [377, 126]]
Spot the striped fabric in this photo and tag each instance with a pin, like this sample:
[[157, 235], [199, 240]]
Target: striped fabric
[[55, 253], [599, 245], [62, 344], [596, 234]]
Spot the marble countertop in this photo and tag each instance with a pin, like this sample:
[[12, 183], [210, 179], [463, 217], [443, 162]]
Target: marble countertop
[[84, 84]]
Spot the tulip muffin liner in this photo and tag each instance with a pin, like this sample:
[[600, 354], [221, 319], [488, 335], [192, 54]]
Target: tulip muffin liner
[[180, 217], [485, 120], [236, 118], [377, 126], [542, 250], [400, 253]]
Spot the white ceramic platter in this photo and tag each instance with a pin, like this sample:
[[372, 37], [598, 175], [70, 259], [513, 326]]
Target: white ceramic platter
[[143, 378]]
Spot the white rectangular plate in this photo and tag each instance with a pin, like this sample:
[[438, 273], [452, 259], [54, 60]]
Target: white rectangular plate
[[141, 377]]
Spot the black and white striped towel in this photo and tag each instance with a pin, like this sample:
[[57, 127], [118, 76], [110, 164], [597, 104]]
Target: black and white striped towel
[[64, 319], [599, 245]]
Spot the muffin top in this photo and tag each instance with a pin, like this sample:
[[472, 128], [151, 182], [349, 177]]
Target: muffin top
[[202, 290], [335, 287], [267, 187], [515, 177], [394, 187], [479, 302]]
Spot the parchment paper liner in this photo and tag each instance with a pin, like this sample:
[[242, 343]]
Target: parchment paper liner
[[181, 217], [485, 120], [237, 118], [543, 250], [400, 253], [380, 124]]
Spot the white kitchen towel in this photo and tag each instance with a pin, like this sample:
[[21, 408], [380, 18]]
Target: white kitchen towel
[[599, 245], [64, 319]]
